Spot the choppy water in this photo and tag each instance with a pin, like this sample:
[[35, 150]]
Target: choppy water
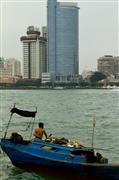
[[66, 113]]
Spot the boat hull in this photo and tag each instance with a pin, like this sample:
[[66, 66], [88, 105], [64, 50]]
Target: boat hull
[[32, 157]]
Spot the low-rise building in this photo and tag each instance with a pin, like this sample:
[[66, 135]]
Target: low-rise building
[[1, 62], [13, 66], [10, 70], [108, 65], [45, 78]]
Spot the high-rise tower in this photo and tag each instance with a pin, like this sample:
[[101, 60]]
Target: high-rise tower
[[34, 54], [63, 47]]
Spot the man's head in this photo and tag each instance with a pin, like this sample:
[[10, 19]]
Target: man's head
[[41, 125]]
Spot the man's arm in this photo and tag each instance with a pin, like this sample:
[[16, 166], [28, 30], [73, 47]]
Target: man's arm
[[45, 134]]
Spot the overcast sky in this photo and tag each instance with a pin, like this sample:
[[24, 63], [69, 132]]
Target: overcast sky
[[98, 28]]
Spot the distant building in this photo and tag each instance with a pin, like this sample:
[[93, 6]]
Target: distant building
[[44, 31], [6, 79], [10, 71], [108, 65], [34, 54], [13, 66], [75, 78], [63, 49], [1, 62], [87, 75], [45, 78], [5, 72], [5, 75]]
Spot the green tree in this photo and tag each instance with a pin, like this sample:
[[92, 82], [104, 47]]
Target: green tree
[[97, 76]]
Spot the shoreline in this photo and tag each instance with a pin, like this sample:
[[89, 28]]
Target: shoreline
[[57, 89]]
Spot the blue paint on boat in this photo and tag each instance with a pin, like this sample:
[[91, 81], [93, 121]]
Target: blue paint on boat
[[40, 154]]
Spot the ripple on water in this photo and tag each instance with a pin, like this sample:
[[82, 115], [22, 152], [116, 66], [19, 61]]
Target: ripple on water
[[65, 113]]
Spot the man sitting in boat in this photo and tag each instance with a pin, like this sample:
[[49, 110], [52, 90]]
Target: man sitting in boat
[[39, 132]]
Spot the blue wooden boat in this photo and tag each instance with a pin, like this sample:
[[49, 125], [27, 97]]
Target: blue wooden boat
[[38, 155]]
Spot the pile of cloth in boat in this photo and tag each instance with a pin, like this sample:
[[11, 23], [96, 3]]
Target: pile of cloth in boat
[[64, 142], [17, 138]]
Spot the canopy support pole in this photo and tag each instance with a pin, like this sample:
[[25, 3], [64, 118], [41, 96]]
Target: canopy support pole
[[94, 122], [8, 125], [32, 126]]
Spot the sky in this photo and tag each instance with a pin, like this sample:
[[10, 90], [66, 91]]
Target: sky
[[98, 28]]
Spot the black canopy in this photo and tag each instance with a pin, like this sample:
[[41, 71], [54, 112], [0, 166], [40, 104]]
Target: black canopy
[[23, 113]]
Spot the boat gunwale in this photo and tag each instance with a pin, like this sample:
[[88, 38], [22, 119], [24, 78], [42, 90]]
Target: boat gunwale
[[21, 151], [101, 165]]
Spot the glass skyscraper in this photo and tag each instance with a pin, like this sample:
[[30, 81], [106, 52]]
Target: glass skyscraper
[[63, 50]]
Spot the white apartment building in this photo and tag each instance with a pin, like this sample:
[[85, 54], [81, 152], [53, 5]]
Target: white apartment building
[[34, 54], [108, 65]]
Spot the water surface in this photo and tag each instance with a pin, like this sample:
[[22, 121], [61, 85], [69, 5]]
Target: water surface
[[65, 113]]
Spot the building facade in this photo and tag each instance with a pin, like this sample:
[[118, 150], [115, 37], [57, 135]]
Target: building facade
[[108, 65], [63, 49], [45, 78], [10, 70], [44, 31], [1, 62], [13, 66], [34, 54]]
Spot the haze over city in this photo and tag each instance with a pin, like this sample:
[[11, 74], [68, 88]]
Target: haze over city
[[98, 28]]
